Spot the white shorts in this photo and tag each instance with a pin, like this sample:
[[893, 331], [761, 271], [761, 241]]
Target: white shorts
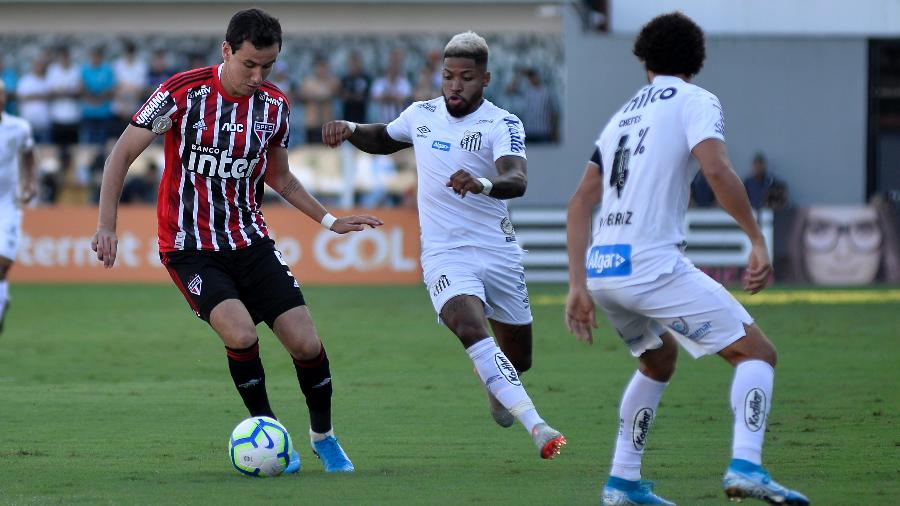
[[704, 317], [495, 277], [10, 228]]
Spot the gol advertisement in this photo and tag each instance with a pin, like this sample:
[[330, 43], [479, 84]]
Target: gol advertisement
[[56, 246]]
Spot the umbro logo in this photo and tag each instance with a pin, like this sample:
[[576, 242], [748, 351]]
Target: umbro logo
[[423, 129], [200, 125]]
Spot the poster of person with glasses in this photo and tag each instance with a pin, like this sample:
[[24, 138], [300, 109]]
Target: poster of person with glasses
[[845, 245]]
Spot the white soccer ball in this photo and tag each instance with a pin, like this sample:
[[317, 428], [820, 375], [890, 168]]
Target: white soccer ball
[[260, 446]]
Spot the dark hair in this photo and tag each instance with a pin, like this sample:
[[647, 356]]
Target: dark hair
[[254, 25], [671, 44]]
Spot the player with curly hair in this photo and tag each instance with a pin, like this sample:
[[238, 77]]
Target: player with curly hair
[[636, 272]]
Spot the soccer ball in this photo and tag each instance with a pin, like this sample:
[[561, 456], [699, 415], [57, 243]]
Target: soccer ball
[[260, 446]]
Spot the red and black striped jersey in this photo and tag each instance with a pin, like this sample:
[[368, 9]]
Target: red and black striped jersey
[[216, 157]]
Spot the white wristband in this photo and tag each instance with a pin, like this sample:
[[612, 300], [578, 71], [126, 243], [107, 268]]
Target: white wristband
[[352, 126], [487, 185], [328, 220]]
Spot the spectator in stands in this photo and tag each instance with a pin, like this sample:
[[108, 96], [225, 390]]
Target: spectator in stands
[[355, 86], [425, 88], [142, 189], [318, 93], [10, 77], [159, 70], [763, 188], [132, 79], [391, 92], [99, 82], [701, 193], [65, 109], [34, 99], [539, 112]]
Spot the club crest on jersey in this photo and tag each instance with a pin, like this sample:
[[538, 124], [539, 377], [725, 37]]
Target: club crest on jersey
[[195, 285], [471, 141], [609, 260], [263, 130]]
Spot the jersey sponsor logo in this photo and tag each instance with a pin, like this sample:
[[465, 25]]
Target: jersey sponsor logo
[[214, 162], [641, 427], [195, 285], [515, 138], [439, 285], [423, 130], [506, 369], [483, 121], [506, 226], [755, 410], [609, 260], [650, 96], [634, 120], [617, 219], [681, 326], [440, 145], [158, 103], [701, 331], [428, 106], [720, 125], [471, 141], [202, 91], [232, 127], [269, 99]]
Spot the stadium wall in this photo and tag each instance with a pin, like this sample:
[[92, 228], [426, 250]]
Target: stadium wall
[[802, 101]]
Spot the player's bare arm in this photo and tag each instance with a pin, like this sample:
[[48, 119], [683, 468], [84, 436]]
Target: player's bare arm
[[280, 179], [371, 138], [29, 177], [510, 183], [730, 192], [130, 145], [580, 316]]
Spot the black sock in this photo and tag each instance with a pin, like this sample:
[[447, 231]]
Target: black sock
[[315, 383], [250, 379]]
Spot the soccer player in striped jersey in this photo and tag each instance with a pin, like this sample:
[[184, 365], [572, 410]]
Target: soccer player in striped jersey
[[226, 135], [470, 157], [640, 173]]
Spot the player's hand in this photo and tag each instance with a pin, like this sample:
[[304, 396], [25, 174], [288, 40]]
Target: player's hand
[[355, 223], [335, 132], [580, 317], [105, 243], [759, 268], [462, 182]]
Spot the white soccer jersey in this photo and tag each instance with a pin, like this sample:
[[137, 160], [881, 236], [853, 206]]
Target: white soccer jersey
[[15, 138], [443, 145], [647, 169]]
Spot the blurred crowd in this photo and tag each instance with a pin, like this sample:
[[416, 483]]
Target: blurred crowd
[[79, 96]]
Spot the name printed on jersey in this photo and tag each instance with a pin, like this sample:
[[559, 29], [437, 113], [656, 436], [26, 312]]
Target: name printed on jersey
[[609, 260]]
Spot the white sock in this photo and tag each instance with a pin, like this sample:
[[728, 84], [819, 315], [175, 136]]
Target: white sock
[[316, 437], [751, 400], [4, 296], [501, 378], [636, 414]]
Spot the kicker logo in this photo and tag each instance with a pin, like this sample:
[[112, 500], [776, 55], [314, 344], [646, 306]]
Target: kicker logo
[[214, 162], [232, 127]]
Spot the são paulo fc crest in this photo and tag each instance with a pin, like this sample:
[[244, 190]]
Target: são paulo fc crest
[[263, 130], [195, 285]]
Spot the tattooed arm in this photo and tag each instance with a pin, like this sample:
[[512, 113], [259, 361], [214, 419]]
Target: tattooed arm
[[280, 179]]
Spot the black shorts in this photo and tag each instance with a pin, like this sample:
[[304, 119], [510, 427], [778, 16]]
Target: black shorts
[[256, 275]]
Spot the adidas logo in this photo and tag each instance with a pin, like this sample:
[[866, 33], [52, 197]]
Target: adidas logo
[[200, 125]]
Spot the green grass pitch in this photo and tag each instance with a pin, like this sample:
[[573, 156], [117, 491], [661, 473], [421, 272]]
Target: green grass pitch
[[119, 395]]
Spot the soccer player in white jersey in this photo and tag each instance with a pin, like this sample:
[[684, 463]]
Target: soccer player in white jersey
[[636, 272], [470, 157], [16, 143]]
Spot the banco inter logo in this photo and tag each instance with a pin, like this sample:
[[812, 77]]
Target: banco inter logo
[[214, 162]]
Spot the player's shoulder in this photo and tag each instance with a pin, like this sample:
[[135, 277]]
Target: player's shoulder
[[274, 94], [497, 116], [696, 93], [188, 79], [426, 106], [15, 122]]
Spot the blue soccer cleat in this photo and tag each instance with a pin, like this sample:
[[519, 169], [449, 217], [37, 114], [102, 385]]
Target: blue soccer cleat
[[619, 492], [332, 456], [294, 465], [746, 479]]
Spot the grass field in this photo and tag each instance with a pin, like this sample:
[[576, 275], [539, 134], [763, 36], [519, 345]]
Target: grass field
[[119, 395]]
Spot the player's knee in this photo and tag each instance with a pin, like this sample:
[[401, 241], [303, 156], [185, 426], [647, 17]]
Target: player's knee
[[305, 349], [469, 333], [243, 339]]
